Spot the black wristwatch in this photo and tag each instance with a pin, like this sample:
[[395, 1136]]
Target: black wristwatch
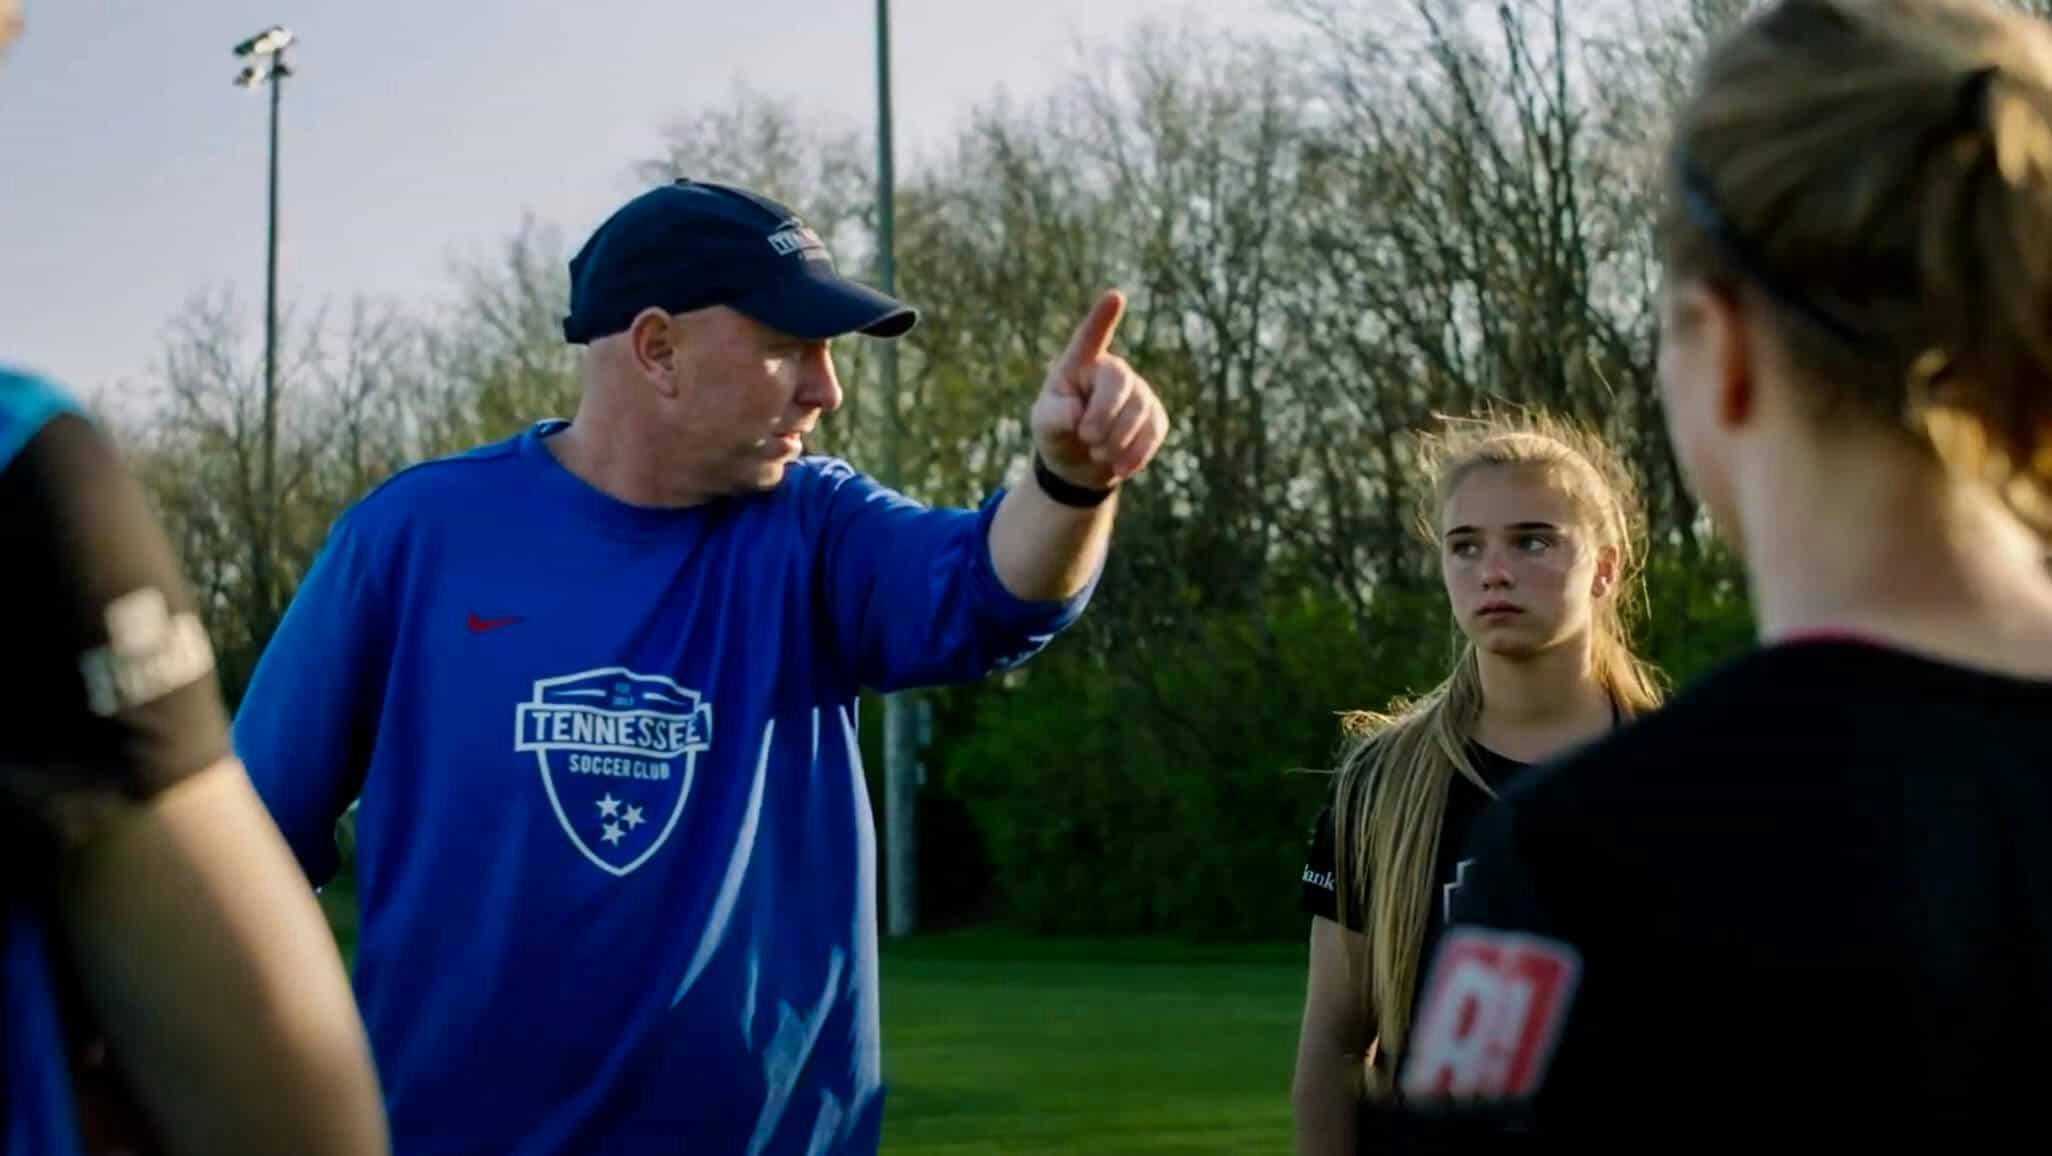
[[1066, 492]]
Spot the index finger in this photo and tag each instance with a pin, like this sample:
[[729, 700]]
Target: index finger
[[1094, 336]]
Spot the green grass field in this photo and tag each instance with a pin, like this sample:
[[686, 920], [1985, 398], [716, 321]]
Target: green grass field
[[1001, 1045], [995, 1045]]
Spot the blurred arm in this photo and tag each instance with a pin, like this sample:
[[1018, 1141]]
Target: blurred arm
[[207, 963], [204, 961]]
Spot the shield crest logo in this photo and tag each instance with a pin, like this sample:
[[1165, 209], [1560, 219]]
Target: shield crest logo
[[616, 752]]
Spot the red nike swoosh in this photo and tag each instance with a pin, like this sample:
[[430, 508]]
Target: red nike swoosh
[[480, 625]]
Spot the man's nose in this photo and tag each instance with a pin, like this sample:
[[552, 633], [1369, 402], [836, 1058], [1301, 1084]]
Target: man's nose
[[818, 386]]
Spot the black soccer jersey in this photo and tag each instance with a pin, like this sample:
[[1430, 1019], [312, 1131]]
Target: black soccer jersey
[[1812, 895], [1464, 801]]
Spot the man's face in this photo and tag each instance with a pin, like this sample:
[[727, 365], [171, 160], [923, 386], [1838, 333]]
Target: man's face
[[746, 397]]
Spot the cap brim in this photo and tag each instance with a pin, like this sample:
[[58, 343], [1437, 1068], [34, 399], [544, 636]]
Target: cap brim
[[817, 305]]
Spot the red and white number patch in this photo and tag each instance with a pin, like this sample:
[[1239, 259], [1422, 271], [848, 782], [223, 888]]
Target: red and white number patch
[[1492, 1013]]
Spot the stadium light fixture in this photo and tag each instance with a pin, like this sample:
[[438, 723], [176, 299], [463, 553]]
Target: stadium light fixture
[[266, 54]]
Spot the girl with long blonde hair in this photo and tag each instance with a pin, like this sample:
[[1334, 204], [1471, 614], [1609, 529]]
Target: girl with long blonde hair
[[1539, 534]]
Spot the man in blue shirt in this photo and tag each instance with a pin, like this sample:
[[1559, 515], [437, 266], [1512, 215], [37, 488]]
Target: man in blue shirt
[[595, 686]]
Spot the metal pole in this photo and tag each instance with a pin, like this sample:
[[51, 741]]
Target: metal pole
[[901, 866], [270, 520]]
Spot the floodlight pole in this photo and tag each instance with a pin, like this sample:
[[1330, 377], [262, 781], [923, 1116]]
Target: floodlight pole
[[901, 831], [268, 67]]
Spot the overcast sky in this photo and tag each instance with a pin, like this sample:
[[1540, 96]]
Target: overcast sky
[[416, 132]]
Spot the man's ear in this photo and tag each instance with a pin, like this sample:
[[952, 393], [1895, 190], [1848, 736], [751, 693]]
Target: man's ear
[[652, 337]]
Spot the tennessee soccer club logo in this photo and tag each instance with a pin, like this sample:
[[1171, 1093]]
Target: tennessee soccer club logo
[[617, 751], [1492, 1013]]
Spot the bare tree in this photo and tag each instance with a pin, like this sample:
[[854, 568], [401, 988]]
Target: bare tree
[[197, 445], [499, 361], [1491, 176]]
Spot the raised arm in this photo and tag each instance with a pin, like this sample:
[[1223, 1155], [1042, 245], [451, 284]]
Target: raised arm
[[914, 594], [922, 596], [1095, 424]]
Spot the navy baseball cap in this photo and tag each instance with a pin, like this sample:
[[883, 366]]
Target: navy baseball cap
[[693, 244]]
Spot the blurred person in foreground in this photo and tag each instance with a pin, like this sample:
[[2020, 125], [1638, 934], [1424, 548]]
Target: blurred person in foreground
[[1811, 899], [165, 986], [596, 687]]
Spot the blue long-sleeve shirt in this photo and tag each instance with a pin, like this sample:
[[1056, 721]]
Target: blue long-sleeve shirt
[[615, 855]]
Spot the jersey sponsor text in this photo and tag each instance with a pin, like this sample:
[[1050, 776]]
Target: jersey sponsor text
[[1491, 1015]]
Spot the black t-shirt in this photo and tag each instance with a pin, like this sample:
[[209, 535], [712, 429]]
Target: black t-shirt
[[1464, 802], [1813, 894], [114, 698]]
